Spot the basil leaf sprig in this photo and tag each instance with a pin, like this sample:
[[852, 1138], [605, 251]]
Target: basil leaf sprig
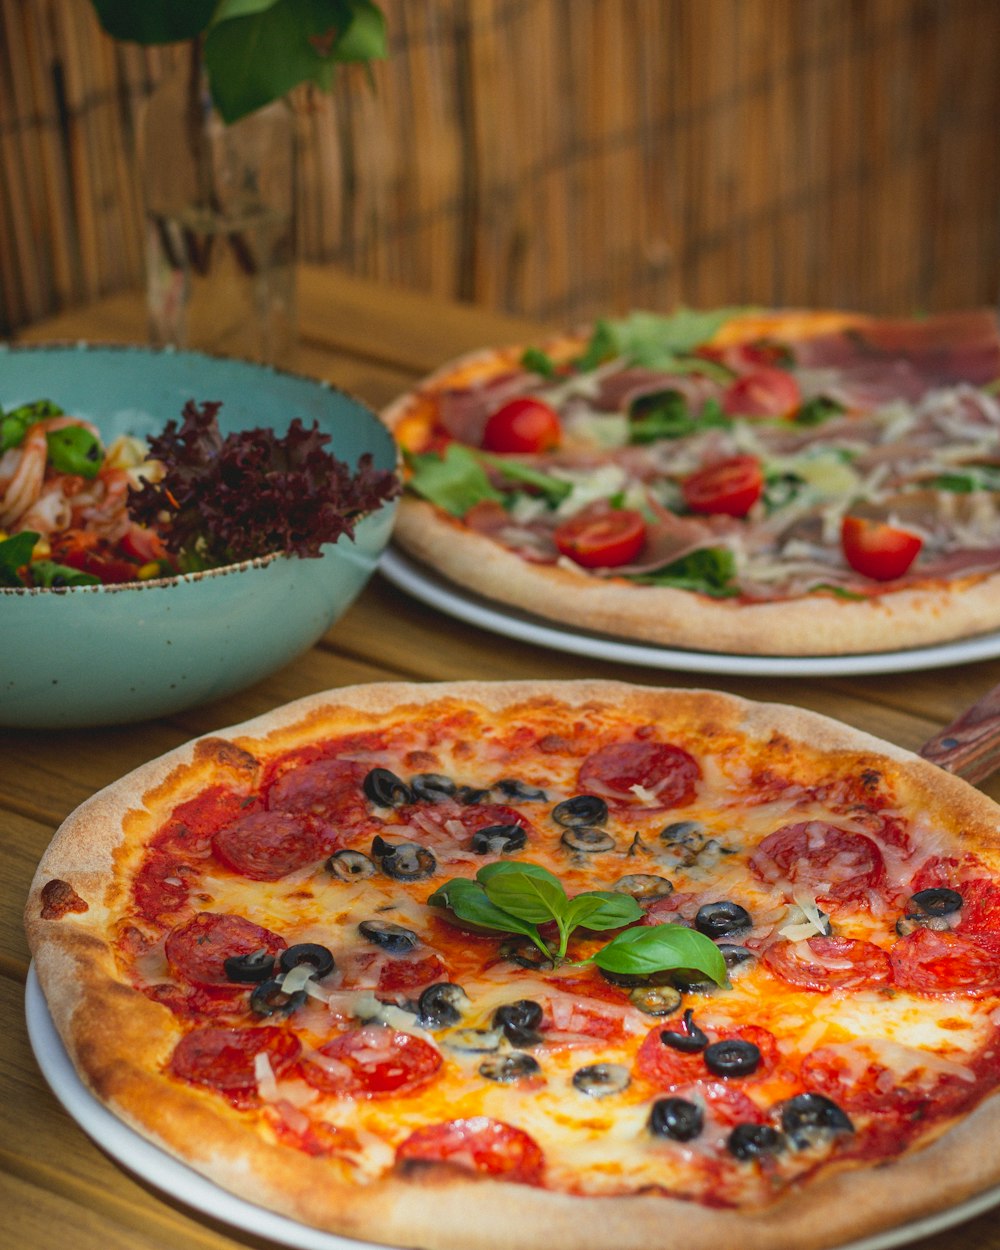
[[515, 897]]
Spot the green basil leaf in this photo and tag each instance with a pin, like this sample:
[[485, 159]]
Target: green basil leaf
[[554, 489], [536, 361], [15, 553], [708, 571], [469, 902], [48, 573], [455, 481], [149, 22], [655, 948], [502, 867], [602, 909], [75, 450], [665, 414], [529, 896]]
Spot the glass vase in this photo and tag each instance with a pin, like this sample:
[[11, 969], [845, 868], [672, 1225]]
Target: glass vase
[[220, 222]]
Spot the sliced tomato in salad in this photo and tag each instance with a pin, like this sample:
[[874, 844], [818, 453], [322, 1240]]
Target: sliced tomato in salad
[[730, 487], [763, 392], [523, 425], [878, 550], [602, 539]]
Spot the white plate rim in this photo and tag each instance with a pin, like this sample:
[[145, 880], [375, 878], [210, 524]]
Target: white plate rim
[[167, 1174], [431, 588]]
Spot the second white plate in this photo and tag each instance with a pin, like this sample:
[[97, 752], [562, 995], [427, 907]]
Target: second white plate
[[427, 586]]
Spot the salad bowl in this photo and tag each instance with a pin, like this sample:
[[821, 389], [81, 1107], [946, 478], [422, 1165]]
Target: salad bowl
[[84, 655]]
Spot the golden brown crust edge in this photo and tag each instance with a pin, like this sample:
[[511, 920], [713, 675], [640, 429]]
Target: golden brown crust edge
[[118, 1038]]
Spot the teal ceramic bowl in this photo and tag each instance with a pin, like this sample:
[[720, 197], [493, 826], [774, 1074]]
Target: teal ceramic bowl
[[99, 655]]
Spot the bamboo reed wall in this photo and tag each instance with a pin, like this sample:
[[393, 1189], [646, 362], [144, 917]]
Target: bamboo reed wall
[[563, 158]]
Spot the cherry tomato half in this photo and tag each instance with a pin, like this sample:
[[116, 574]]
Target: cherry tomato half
[[877, 550], [762, 392], [602, 539], [522, 425], [730, 486]]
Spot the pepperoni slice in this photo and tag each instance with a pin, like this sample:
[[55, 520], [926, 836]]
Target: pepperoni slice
[[266, 846], [857, 1080], [667, 771], [330, 790], [223, 1059], [197, 951], [980, 913], [824, 964], [373, 1062], [408, 974], [944, 870], [944, 963], [663, 1065], [726, 1104], [477, 1144], [844, 866]]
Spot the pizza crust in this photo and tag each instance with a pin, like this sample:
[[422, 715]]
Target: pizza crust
[[119, 1040], [890, 620]]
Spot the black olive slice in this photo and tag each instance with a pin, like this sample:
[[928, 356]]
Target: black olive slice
[[269, 999], [403, 861], [738, 958], [937, 901], [509, 1068], [256, 966], [809, 1118], [432, 787], [690, 981], [676, 1118], [750, 1141], [581, 810], [385, 789], [723, 919], [690, 1041], [732, 1057], [390, 937], [643, 885], [519, 791], [350, 865], [440, 1005], [523, 952], [656, 1000], [498, 839], [684, 833], [591, 841], [628, 980], [598, 1080], [317, 957], [470, 795], [519, 1021]]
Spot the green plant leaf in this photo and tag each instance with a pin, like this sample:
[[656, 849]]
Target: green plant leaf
[[14, 424], [455, 481], [154, 21], [48, 573], [655, 341], [15, 553], [708, 571], [468, 900], [665, 414], [602, 909], [554, 489], [656, 948], [530, 896]]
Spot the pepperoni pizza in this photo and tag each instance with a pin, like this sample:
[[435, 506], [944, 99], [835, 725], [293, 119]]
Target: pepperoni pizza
[[507, 966], [787, 483]]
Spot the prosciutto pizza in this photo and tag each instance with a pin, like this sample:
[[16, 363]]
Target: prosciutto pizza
[[499, 967], [786, 483]]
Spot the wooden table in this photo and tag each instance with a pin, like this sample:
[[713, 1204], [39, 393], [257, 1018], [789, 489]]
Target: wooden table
[[371, 340]]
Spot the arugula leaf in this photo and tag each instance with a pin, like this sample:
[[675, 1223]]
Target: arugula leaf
[[654, 341], [665, 414], [709, 571], [455, 481], [973, 478], [554, 489], [838, 592], [15, 553], [657, 947], [536, 361]]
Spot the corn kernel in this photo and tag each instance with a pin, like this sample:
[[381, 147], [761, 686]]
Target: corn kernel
[[41, 550], [146, 571]]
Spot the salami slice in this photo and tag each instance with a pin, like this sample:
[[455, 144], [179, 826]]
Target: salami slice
[[197, 951], [668, 772], [266, 846], [839, 864], [372, 1062], [329, 790], [825, 964], [478, 1144], [944, 963], [224, 1059]]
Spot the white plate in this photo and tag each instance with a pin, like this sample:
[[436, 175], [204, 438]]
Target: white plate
[[162, 1171], [427, 586]]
